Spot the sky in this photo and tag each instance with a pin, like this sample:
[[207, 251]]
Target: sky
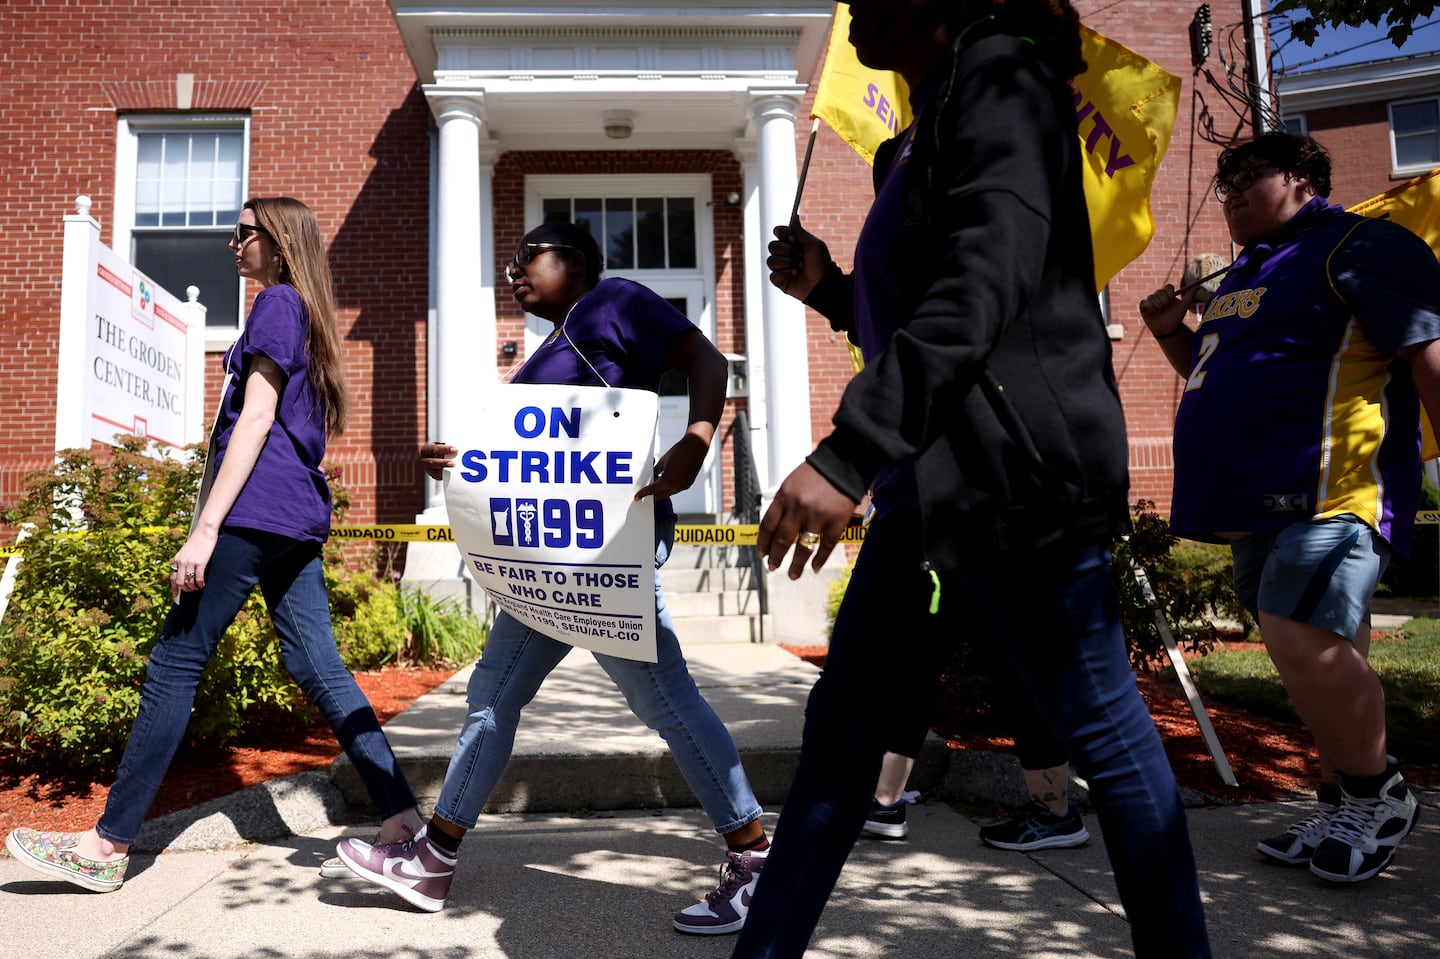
[[1350, 45]]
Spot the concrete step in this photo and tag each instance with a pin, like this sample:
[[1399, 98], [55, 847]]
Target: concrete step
[[712, 630], [688, 579], [724, 603], [579, 746]]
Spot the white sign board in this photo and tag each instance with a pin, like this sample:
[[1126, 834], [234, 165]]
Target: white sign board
[[135, 361], [541, 503]]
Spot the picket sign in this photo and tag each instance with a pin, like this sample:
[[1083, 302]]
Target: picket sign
[[542, 507]]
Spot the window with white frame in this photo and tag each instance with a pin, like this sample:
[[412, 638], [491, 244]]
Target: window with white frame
[[1297, 123], [180, 186], [1415, 135], [635, 233]]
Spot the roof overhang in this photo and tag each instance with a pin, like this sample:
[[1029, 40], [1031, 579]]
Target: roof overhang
[[1391, 79], [544, 76]]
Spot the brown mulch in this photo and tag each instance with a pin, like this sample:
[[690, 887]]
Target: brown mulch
[[32, 796], [1271, 759]]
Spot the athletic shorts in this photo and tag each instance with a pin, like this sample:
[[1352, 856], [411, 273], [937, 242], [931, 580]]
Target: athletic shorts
[[1321, 572]]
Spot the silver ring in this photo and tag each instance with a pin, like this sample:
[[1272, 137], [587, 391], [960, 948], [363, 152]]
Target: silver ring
[[174, 568], [808, 540], [190, 575]]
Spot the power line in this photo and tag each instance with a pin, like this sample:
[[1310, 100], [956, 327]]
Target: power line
[[1340, 53]]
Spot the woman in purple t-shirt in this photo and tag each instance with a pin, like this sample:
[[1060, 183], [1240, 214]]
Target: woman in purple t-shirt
[[262, 519], [609, 332]]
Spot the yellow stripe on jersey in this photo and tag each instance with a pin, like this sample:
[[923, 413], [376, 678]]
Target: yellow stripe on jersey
[[1356, 421]]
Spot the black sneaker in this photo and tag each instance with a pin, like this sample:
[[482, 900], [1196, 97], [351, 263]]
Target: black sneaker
[[1363, 835], [1296, 845], [1036, 827], [886, 821]]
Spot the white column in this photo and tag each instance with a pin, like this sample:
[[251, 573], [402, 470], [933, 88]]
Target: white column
[[757, 277], [462, 330], [786, 366], [463, 335], [77, 268]]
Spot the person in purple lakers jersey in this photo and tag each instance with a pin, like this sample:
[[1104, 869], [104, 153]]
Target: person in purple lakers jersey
[[1297, 442]]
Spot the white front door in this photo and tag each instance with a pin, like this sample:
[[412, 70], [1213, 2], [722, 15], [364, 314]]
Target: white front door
[[674, 415], [655, 230]]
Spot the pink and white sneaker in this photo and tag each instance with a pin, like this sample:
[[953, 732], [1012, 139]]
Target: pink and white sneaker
[[416, 870], [724, 910]]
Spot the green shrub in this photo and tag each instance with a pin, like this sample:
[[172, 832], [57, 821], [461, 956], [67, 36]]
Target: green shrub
[[93, 590], [836, 594], [441, 631], [1191, 582]]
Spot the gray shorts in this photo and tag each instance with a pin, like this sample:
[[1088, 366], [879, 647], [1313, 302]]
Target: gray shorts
[[1321, 572]]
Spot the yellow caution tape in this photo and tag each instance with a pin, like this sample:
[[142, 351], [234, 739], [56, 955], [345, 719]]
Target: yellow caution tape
[[734, 534]]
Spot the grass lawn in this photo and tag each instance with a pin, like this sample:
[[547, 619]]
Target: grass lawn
[[1408, 665]]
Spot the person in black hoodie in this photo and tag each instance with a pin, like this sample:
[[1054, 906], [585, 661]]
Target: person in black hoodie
[[987, 424]]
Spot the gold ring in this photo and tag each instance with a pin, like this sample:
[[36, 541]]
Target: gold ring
[[808, 540]]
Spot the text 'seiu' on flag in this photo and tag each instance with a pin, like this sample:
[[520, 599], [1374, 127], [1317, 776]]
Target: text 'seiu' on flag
[[1125, 106], [865, 107]]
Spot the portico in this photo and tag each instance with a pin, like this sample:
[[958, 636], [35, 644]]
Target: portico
[[645, 77]]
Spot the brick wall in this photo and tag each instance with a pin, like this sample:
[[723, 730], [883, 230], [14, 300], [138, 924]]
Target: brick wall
[[335, 121], [1357, 137]]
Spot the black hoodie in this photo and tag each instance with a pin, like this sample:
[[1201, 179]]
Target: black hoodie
[[998, 389]]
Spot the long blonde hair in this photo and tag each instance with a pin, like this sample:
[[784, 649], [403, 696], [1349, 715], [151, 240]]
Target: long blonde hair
[[303, 265]]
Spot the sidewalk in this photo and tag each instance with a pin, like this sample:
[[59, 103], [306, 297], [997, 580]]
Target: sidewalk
[[574, 882]]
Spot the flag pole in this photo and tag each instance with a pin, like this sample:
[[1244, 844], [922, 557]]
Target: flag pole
[[804, 171]]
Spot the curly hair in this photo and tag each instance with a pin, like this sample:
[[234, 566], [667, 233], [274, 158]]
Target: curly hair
[[1291, 153]]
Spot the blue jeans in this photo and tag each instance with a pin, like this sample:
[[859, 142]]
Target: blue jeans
[[292, 581], [1055, 619], [662, 695]]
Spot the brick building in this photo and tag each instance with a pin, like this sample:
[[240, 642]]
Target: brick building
[[428, 137], [1380, 120]]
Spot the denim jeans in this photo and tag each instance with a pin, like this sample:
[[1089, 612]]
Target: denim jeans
[[293, 583], [1055, 619], [662, 695]]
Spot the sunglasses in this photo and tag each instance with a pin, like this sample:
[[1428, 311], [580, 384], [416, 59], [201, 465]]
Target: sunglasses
[[528, 252], [244, 231], [1240, 180]]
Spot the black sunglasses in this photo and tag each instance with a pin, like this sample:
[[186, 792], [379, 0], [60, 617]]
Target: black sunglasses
[[529, 251], [244, 231]]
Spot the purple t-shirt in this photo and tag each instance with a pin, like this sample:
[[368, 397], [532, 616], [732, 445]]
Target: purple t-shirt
[[286, 492], [625, 331]]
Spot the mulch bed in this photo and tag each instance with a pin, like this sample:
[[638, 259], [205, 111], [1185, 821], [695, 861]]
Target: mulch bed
[[1271, 759]]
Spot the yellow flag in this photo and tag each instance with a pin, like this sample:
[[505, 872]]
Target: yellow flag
[[1415, 205], [865, 107], [1126, 109]]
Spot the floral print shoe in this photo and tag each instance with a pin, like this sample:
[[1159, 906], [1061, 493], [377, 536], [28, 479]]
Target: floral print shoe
[[53, 853]]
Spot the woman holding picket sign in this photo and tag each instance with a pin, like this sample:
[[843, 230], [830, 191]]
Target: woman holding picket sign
[[613, 333], [262, 517]]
